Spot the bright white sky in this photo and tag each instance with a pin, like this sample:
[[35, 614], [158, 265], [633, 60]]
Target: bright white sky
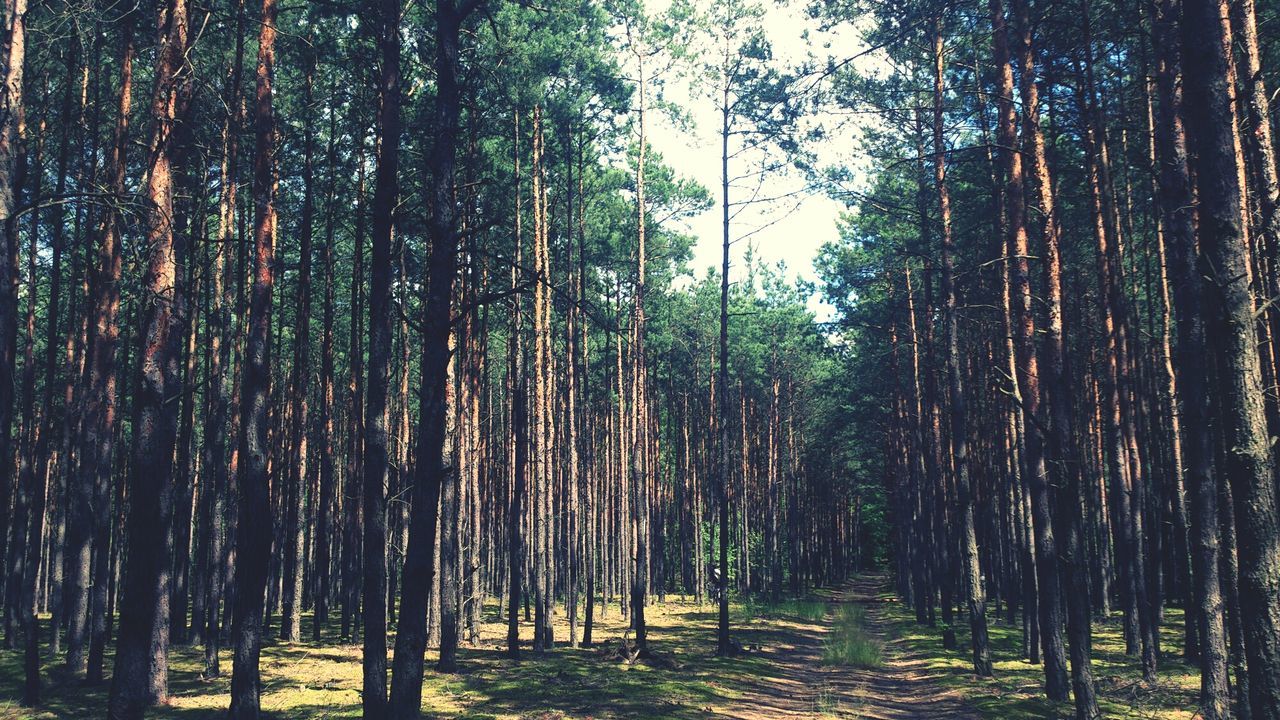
[[793, 229]]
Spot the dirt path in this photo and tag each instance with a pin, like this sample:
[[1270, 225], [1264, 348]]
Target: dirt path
[[797, 684]]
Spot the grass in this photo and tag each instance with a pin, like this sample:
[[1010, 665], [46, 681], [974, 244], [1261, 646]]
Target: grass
[[826, 702], [323, 680], [1016, 691], [848, 642], [811, 610]]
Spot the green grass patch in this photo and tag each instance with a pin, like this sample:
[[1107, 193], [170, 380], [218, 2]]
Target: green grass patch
[[848, 643], [826, 702], [1017, 690], [809, 610], [314, 681]]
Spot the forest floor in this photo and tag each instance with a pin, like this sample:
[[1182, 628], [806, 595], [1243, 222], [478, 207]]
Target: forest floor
[[1016, 692], [854, 653]]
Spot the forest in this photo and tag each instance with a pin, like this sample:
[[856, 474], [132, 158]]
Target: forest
[[680, 359]]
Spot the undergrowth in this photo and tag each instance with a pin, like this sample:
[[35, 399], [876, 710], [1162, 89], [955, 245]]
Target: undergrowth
[[848, 642]]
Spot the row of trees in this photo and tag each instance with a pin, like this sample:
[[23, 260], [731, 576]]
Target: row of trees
[[1061, 279], [283, 353]]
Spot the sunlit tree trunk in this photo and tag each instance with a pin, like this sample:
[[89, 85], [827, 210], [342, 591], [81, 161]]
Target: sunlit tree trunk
[[1049, 596], [253, 532], [140, 676]]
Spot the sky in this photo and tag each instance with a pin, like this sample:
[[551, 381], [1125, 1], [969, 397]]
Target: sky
[[791, 231]]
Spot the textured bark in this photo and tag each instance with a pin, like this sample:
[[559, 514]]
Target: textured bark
[[46, 471], [1062, 452], [86, 490], [139, 679], [1249, 463], [353, 494], [1049, 595], [1123, 459], [1191, 365], [189, 225], [376, 436], [328, 435], [253, 531], [542, 434], [218, 422], [519, 412], [33, 468], [12, 119], [406, 690], [299, 428], [974, 595]]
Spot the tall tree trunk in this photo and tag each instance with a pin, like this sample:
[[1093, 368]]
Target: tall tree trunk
[[12, 119], [375, 413], [253, 531], [1249, 467], [353, 494], [406, 690], [33, 472], [1176, 203], [88, 490], [1061, 433], [723, 644], [519, 390], [221, 342], [975, 595], [47, 469], [1049, 593], [139, 678], [328, 436], [640, 380], [542, 443], [295, 548]]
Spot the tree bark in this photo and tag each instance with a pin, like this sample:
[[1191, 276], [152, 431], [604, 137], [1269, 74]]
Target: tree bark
[[1062, 452], [406, 690], [1049, 595], [1176, 202], [1249, 465], [975, 596], [139, 679], [253, 531], [375, 412], [299, 429]]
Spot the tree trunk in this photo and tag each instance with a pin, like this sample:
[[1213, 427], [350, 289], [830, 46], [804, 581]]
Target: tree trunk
[[1249, 467], [1192, 366], [139, 679], [295, 512], [406, 690], [1049, 594], [519, 427], [253, 532], [12, 119], [87, 488], [723, 644], [975, 596], [1061, 433], [328, 436]]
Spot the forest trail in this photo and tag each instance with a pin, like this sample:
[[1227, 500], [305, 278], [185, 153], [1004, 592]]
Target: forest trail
[[800, 685]]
